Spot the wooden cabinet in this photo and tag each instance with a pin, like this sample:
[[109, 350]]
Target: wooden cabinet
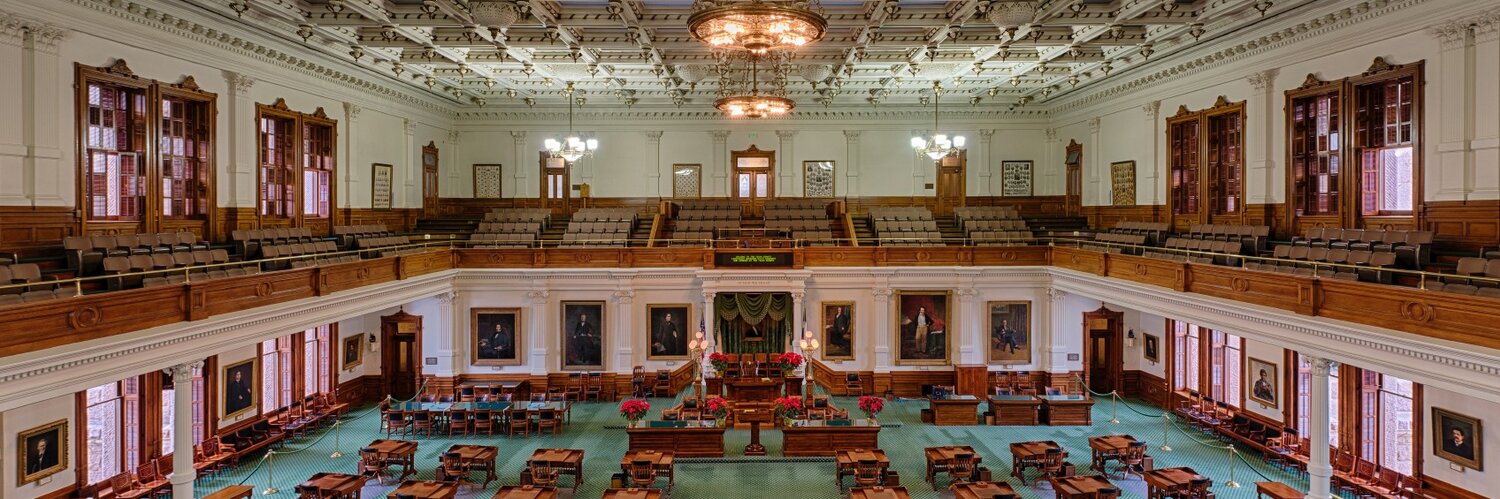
[[692, 440], [820, 438]]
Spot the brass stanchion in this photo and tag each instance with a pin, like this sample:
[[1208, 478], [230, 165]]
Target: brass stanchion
[[270, 474], [336, 454], [1166, 430], [1233, 463], [1114, 407]]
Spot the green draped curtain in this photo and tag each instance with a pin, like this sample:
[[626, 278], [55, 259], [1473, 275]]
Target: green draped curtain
[[733, 311]]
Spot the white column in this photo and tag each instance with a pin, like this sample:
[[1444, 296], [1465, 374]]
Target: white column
[[653, 141], [412, 169], [624, 317], [518, 188], [242, 137], [45, 180], [1056, 358], [183, 473], [13, 152], [1259, 157], [350, 134], [797, 318], [721, 165], [1093, 168], [884, 351], [1455, 90], [1052, 172], [787, 167], [987, 158], [446, 331], [1318, 470], [451, 164], [851, 163], [540, 333], [970, 333], [1149, 173]]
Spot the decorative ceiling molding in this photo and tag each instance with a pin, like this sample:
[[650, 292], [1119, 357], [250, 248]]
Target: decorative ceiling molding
[[14, 28], [905, 114]]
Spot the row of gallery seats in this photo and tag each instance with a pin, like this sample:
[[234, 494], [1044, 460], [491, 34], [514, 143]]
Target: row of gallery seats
[[352, 236], [1002, 237], [1413, 248], [600, 227], [539, 215], [796, 209], [38, 288], [815, 232], [708, 209], [86, 253], [247, 242], [905, 226], [503, 240]]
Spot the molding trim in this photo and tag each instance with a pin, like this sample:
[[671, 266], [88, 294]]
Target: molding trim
[[903, 114]]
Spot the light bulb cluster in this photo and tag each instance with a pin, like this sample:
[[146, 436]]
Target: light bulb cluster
[[808, 343], [572, 148], [754, 106], [757, 26], [938, 145]]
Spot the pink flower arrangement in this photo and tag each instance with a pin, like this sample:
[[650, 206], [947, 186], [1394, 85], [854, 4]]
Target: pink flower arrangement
[[634, 409], [788, 407], [790, 361], [720, 362], [718, 407], [871, 405]]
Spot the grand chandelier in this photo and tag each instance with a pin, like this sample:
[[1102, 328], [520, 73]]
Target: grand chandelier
[[756, 26], [571, 148], [754, 105], [938, 144]]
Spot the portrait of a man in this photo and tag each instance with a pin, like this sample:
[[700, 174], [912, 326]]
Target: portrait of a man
[[241, 384], [1458, 438], [493, 338], [838, 330], [1264, 383], [583, 335], [1010, 332], [669, 331], [1153, 348], [43, 451], [922, 327], [353, 351]]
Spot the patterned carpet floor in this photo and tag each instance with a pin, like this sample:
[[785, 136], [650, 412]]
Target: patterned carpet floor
[[596, 428]]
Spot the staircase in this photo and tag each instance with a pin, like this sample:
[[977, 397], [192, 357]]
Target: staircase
[[953, 235], [641, 232], [456, 227], [862, 230], [552, 234], [1060, 226]]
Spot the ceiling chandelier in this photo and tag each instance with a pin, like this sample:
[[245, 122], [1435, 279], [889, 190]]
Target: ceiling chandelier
[[756, 26], [754, 105], [938, 145], [571, 148]]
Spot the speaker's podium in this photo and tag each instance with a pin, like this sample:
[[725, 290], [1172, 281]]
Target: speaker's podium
[[752, 389]]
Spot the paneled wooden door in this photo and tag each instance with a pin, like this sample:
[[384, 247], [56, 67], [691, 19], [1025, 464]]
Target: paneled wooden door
[[1104, 350], [1073, 163], [430, 180], [401, 354], [556, 191], [754, 179], [950, 182]]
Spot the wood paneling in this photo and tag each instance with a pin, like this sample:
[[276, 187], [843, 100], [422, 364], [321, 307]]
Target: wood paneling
[[1432, 487], [397, 220], [1146, 386], [1286, 292], [1079, 259], [415, 264], [499, 258], [1464, 224], [345, 276], [361, 390], [1000, 256], [909, 383], [222, 296], [60, 322], [1472, 320], [1105, 217], [1154, 271], [35, 230]]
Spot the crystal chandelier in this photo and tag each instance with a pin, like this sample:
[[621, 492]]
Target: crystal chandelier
[[754, 105], [756, 26], [937, 145], [572, 148]]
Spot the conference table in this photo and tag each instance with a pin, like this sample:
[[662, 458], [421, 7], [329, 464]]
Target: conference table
[[661, 461], [526, 492], [426, 489], [479, 457], [1080, 487], [1107, 448], [516, 389], [401, 453], [943, 456], [980, 490], [1029, 455], [1167, 480], [879, 493], [335, 484], [632, 494]]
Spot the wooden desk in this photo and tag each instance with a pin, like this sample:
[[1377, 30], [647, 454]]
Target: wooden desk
[[335, 484], [401, 453], [941, 456], [1029, 455], [752, 389], [1277, 490], [1106, 448], [825, 438], [480, 457], [956, 410], [566, 461], [1080, 487], [879, 493], [980, 490], [661, 461], [1015, 410], [526, 492], [1168, 480], [694, 439], [844, 461], [1066, 410], [632, 494], [426, 489], [233, 492]]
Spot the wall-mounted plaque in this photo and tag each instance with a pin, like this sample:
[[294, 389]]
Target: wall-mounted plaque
[[1015, 178], [1122, 183], [487, 181], [380, 187]]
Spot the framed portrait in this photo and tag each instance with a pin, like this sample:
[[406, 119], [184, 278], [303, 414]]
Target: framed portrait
[[1015, 178], [239, 388], [353, 351], [922, 322], [380, 186], [1265, 382], [42, 451], [1122, 183], [583, 335], [1009, 324], [838, 330], [1458, 438], [487, 181], [1152, 348], [670, 326], [495, 337]]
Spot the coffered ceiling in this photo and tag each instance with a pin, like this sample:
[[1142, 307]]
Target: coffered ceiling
[[506, 53]]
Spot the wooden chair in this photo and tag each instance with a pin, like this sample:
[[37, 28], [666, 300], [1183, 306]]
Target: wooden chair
[[1024, 385], [519, 421], [1198, 488], [373, 464], [853, 386], [466, 393], [960, 469], [574, 391], [638, 381], [147, 477], [484, 421], [867, 473], [396, 424], [1051, 463], [308, 492], [662, 385], [543, 474], [453, 468], [642, 473], [594, 389], [1107, 493], [459, 422], [548, 420], [422, 421]]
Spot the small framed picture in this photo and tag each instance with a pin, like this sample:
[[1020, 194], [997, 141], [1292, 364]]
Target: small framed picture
[[43, 451], [1265, 383], [1458, 438], [1153, 348], [354, 348]]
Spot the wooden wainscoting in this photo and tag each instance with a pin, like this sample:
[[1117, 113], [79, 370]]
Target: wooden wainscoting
[[1432, 487], [1145, 386], [35, 231], [361, 390], [1464, 224], [1105, 217], [397, 220]]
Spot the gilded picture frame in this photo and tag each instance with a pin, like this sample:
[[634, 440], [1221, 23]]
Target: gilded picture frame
[[230, 406], [41, 452], [839, 333], [496, 336], [660, 343], [916, 346]]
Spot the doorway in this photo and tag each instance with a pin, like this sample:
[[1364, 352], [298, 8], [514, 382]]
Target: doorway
[[950, 182], [401, 351], [1103, 350], [754, 179], [430, 180], [1073, 199], [556, 183]]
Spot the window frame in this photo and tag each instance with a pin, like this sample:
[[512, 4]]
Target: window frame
[[1301, 184], [295, 168], [1198, 162]]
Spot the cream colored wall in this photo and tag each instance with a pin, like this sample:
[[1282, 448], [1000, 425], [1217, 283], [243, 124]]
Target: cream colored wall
[[13, 422], [1481, 482]]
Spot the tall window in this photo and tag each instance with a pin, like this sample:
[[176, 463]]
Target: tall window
[[1226, 139], [1187, 355], [1206, 161], [276, 181], [270, 374], [200, 410], [169, 410], [115, 141], [1224, 367], [130, 396], [185, 149], [1207, 361], [316, 368], [1183, 161], [1384, 135], [1386, 421], [1314, 149], [291, 188], [317, 169], [105, 410], [1304, 393]]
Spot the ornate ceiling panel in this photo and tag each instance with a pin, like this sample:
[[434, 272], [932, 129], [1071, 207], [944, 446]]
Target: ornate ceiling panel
[[509, 53]]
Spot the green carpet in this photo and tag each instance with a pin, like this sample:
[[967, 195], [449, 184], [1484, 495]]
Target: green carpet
[[595, 427]]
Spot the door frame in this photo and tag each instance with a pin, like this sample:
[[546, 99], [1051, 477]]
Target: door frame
[[751, 206], [941, 205], [431, 171], [565, 203], [390, 327], [1116, 356], [1073, 179]]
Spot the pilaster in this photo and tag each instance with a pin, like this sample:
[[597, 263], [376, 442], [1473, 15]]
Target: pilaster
[[623, 316], [989, 162], [242, 136], [183, 473], [1056, 358], [411, 170], [1259, 162], [851, 164], [350, 134], [971, 333], [1093, 167], [1150, 173], [44, 180], [883, 348], [445, 325], [719, 187], [653, 142], [541, 337], [522, 188], [786, 164]]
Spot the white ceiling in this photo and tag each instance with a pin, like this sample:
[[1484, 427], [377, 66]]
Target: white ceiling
[[628, 52]]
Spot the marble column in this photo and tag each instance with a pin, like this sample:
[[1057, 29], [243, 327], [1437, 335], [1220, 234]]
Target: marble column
[[1318, 470], [183, 473], [623, 318], [884, 350], [708, 331], [518, 188], [720, 173], [851, 164]]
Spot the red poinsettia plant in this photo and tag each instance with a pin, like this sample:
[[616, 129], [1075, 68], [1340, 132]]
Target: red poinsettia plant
[[788, 407], [720, 361], [717, 406], [634, 409], [790, 361], [871, 405]]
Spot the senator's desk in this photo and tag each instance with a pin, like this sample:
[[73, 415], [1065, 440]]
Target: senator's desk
[[752, 389], [879, 493], [955, 410], [684, 438], [980, 490], [526, 492], [826, 437], [232, 492], [1066, 410], [1015, 410]]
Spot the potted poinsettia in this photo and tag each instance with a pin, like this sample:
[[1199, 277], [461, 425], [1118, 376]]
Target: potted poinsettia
[[790, 361], [871, 406], [717, 407], [634, 409], [788, 408], [720, 361]]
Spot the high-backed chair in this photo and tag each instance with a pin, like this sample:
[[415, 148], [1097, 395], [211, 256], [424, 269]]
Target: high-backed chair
[[853, 386], [642, 473]]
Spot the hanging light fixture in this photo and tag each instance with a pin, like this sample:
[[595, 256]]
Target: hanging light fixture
[[754, 105], [938, 144], [756, 26], [571, 148]]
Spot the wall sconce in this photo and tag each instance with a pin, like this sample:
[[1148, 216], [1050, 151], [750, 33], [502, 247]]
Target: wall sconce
[[1130, 338]]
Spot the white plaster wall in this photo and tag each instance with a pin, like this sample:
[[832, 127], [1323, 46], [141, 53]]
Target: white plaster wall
[[1275, 355], [230, 357], [1482, 483], [13, 422]]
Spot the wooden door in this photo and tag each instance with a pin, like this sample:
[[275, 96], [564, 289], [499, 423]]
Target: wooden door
[[754, 179], [950, 182], [430, 180], [1073, 199], [401, 354], [1104, 351], [556, 191]]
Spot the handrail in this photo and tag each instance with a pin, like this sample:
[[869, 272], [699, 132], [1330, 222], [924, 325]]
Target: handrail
[[655, 230], [849, 229]]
